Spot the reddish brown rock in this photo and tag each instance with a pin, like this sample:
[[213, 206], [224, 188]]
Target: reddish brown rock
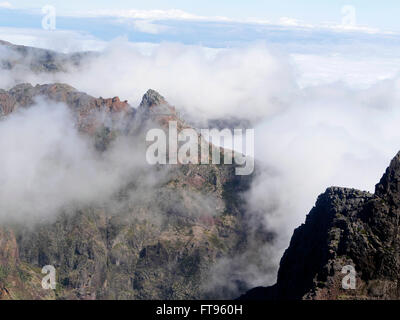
[[114, 104], [87, 110]]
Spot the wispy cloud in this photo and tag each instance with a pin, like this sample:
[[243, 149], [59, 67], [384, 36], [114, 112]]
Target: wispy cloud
[[290, 22], [152, 16], [145, 26], [171, 14]]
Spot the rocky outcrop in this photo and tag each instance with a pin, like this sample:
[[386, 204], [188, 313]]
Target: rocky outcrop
[[156, 109], [346, 227], [152, 99], [89, 112]]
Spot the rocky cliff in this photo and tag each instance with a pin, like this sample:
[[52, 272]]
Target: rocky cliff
[[159, 245], [346, 227]]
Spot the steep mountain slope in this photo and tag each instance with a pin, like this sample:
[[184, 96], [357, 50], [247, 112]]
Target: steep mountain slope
[[346, 227], [160, 243]]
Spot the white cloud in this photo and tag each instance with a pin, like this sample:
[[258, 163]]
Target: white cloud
[[356, 71], [152, 16], [145, 26], [47, 166], [353, 28], [285, 21], [295, 23], [171, 14], [191, 77], [203, 81]]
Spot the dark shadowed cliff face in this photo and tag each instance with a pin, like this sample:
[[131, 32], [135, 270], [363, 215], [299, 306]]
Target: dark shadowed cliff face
[[154, 243], [346, 227]]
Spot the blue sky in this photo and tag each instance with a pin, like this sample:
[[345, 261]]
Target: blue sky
[[380, 14], [306, 23]]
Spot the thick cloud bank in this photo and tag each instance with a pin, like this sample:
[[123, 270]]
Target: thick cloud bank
[[242, 82], [46, 165]]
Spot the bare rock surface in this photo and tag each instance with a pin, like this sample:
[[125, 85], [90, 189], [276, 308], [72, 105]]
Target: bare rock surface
[[346, 227]]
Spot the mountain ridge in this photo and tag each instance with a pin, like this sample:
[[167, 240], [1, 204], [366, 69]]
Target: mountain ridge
[[162, 246]]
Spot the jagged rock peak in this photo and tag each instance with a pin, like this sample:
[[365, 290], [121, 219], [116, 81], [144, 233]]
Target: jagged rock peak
[[152, 98], [155, 107]]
